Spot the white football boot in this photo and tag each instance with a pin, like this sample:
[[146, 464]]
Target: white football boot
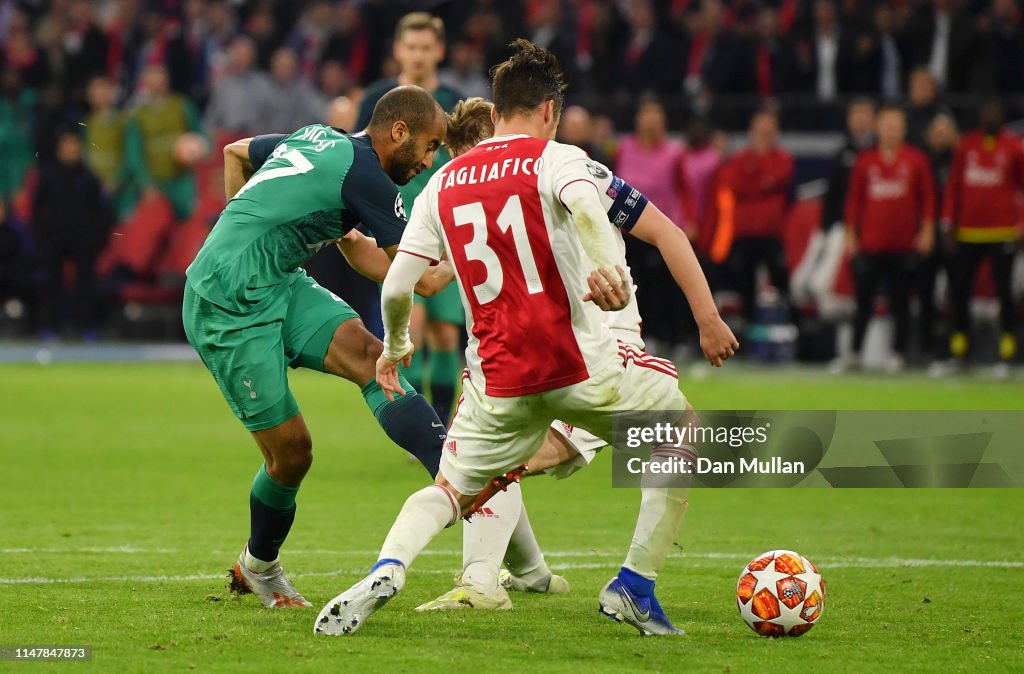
[[347, 612]]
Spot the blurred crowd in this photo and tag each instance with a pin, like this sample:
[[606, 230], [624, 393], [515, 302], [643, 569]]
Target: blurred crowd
[[111, 112]]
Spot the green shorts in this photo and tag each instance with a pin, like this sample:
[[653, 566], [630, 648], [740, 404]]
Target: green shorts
[[446, 306], [248, 354]]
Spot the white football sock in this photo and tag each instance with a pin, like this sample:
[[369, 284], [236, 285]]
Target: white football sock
[[257, 565], [662, 509], [524, 557], [486, 535], [424, 515]]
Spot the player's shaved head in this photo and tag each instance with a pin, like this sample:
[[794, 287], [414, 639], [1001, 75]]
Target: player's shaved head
[[409, 104], [406, 128], [528, 79]]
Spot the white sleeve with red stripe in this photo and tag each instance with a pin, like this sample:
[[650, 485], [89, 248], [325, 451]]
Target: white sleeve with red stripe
[[567, 164], [422, 236]]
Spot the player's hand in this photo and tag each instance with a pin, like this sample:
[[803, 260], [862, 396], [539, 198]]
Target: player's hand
[[387, 374], [610, 292], [851, 243], [925, 241], [717, 341]]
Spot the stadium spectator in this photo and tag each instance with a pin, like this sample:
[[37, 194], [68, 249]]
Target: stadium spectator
[[309, 36], [775, 59], [947, 43], [334, 81], [545, 27], [105, 128], [237, 107], [292, 102], [980, 212], [211, 38], [156, 39], [826, 53], [17, 108], [883, 56], [71, 219], [817, 271], [577, 128], [923, 105], [890, 210], [604, 139], [714, 56], [348, 42], [940, 140], [701, 160], [652, 162], [21, 54], [1003, 29], [464, 71], [84, 48], [759, 179], [642, 66], [158, 121]]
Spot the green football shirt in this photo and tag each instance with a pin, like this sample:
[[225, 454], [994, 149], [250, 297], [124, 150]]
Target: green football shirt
[[315, 185]]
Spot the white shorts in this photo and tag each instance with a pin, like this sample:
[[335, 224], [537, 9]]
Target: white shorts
[[586, 444], [490, 436]]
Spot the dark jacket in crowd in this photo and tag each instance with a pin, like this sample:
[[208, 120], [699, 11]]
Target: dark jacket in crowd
[[838, 180]]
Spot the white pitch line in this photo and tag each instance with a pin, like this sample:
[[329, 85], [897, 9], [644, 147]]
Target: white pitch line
[[825, 563]]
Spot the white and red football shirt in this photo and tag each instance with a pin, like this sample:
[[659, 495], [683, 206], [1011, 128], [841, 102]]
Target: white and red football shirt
[[521, 269]]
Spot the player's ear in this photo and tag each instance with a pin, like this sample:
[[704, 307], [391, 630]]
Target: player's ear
[[549, 112], [399, 132], [494, 116]]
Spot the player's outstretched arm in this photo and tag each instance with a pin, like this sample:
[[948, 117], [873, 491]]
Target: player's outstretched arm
[[237, 166], [363, 255], [654, 227], [396, 309]]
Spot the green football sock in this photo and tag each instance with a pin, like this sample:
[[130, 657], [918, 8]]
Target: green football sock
[[414, 373], [444, 371], [271, 513]]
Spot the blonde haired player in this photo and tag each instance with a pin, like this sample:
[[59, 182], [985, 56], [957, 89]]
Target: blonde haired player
[[520, 220]]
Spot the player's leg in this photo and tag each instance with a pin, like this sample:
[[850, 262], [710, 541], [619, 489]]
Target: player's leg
[[966, 259], [323, 333], [245, 355], [566, 449], [1002, 256], [899, 280], [866, 275], [444, 318], [485, 440], [642, 383]]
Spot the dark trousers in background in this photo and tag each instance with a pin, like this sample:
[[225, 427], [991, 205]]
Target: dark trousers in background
[[749, 253], [81, 299], [666, 314], [967, 257], [893, 272], [928, 274]]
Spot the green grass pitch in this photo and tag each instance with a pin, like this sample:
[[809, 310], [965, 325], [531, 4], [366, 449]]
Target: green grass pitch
[[124, 499]]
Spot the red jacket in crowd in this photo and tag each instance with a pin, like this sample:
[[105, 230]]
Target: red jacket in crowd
[[888, 199], [762, 187], [984, 181]]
